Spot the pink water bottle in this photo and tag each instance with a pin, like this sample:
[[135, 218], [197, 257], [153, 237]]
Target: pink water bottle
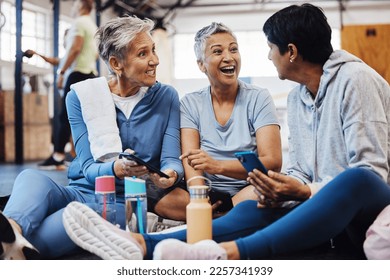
[[105, 198]]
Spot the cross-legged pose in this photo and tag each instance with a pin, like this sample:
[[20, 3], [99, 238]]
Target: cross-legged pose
[[338, 175], [128, 111]]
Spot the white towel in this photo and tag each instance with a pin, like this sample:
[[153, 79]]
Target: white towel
[[98, 110]]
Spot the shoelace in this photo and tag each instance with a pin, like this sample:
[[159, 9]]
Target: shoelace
[[162, 225]]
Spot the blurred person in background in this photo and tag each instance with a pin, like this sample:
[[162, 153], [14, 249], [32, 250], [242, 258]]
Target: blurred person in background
[[80, 61]]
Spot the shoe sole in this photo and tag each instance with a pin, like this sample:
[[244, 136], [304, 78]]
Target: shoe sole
[[92, 233], [13, 246]]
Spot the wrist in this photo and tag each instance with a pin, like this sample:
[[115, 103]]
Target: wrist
[[60, 72], [175, 175], [113, 170]]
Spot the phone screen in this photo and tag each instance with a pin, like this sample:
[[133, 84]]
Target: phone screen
[[226, 199], [150, 167]]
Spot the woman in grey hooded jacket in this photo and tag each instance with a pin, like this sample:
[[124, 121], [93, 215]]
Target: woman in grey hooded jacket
[[337, 179]]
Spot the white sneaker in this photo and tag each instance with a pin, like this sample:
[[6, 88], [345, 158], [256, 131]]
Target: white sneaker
[[94, 234], [155, 223], [13, 246], [173, 249]]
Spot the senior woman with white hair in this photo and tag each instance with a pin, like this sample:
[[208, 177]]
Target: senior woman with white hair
[[128, 111], [225, 117]]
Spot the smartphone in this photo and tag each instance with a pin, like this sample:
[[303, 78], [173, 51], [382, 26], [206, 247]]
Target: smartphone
[[150, 167], [251, 161], [226, 199]]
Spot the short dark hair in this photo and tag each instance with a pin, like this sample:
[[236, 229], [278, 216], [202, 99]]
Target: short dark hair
[[87, 4], [306, 27]]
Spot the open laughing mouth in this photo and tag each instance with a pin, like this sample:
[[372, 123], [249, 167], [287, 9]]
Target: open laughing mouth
[[228, 69], [151, 72]]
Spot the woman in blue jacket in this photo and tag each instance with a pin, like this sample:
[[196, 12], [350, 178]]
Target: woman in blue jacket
[[129, 111]]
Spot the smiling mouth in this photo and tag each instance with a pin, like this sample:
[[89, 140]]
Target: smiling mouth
[[228, 69], [151, 72]]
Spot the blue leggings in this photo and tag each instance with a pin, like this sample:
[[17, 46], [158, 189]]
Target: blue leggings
[[351, 201], [37, 203]]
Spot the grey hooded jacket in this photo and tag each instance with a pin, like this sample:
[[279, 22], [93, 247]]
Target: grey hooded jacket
[[346, 125]]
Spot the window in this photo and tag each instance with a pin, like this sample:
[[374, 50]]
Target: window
[[7, 35], [185, 66], [254, 55], [36, 34]]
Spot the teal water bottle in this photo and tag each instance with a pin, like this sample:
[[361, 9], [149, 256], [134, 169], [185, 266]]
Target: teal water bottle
[[136, 205]]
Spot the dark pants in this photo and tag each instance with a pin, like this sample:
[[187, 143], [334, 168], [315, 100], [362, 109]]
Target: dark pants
[[61, 133]]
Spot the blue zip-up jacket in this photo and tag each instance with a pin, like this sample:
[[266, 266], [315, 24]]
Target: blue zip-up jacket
[[153, 131], [346, 125]]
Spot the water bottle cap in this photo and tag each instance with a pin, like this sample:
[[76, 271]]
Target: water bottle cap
[[105, 184], [134, 185], [198, 191]]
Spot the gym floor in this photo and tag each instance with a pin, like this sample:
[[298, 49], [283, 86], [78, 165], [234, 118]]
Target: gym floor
[[341, 248]]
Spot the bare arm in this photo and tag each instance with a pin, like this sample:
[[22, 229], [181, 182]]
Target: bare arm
[[196, 161], [190, 140], [52, 60], [269, 147], [73, 53]]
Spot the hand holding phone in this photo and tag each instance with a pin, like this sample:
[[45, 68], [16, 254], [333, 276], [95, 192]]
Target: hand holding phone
[[150, 167], [251, 161], [224, 197]]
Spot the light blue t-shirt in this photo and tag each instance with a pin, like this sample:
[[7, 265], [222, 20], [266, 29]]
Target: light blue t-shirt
[[253, 109]]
